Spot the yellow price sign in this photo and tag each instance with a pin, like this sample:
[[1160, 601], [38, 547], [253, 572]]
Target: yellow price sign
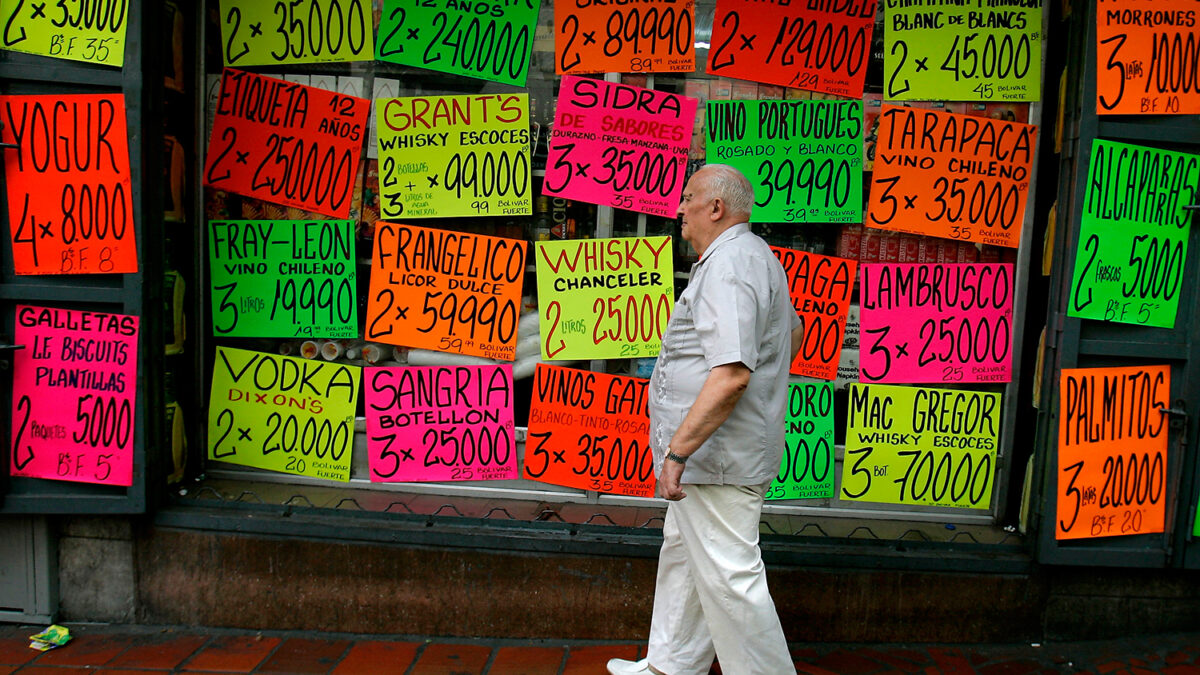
[[93, 32], [917, 445]]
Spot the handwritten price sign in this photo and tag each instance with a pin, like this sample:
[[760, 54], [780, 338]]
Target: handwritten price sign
[[487, 40], [73, 395], [449, 156], [604, 298], [590, 431], [1134, 234], [1146, 58], [434, 423], [93, 32], [1112, 451], [70, 201], [448, 291], [275, 278], [803, 157], [823, 49], [820, 287], [284, 142], [651, 37], [256, 33], [935, 51], [913, 445], [282, 413], [936, 322], [619, 145], [806, 471], [951, 176]]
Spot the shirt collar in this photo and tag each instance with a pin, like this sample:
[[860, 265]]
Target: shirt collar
[[728, 235]]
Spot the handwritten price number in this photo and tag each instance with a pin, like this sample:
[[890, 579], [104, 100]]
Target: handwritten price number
[[1172, 67], [937, 477], [305, 303], [326, 26], [835, 47], [88, 214], [329, 175], [101, 15], [650, 172], [820, 339], [999, 57], [797, 471], [632, 32], [603, 462], [828, 178], [24, 406], [492, 175], [1135, 481], [1159, 269], [478, 46], [500, 320], [992, 207]]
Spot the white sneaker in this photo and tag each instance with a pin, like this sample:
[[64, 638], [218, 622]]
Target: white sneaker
[[623, 667]]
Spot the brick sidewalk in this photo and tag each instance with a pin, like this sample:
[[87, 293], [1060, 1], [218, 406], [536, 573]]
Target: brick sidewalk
[[132, 650]]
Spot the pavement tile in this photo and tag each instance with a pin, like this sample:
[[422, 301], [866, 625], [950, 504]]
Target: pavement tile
[[908, 660], [1142, 671], [1013, 667], [15, 650], [847, 663], [590, 660], [377, 657], [304, 655], [127, 671], [1181, 669], [805, 654], [7, 670], [87, 650], [810, 669], [450, 659], [1171, 658], [232, 654], [166, 653], [1109, 667], [949, 661], [527, 661], [56, 670]]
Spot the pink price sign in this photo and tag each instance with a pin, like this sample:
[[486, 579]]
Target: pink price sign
[[73, 395], [619, 145], [936, 322], [440, 423]]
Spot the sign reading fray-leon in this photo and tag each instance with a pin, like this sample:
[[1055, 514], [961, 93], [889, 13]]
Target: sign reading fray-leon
[[280, 278], [450, 156], [619, 145], [952, 176], [604, 298], [914, 445], [590, 431], [282, 413], [651, 36], [820, 287], [804, 158], [73, 395], [427, 423], [286, 143], [70, 200]]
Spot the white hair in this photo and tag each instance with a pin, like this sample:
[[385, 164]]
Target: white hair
[[732, 187]]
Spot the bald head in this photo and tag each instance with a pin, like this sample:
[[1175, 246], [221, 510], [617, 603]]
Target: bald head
[[716, 198]]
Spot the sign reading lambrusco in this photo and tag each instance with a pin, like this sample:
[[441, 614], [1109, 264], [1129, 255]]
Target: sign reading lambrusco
[[450, 156], [806, 471], [278, 278], [962, 52], [804, 158], [1146, 57], [315, 31], [1133, 236], [619, 145]]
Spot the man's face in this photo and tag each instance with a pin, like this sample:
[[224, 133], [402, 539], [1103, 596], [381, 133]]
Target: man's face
[[693, 208]]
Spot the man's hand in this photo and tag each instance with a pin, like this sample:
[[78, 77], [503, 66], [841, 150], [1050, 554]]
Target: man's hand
[[668, 486]]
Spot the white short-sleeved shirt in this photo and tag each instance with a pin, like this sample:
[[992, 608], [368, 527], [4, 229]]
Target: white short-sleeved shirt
[[735, 308]]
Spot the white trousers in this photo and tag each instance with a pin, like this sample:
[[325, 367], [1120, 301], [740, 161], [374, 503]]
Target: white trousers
[[711, 595]]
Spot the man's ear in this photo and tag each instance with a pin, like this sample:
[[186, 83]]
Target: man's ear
[[717, 211]]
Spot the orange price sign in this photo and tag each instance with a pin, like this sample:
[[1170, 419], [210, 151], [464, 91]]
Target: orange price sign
[[1112, 451], [447, 291], [1146, 57], [952, 176], [590, 431], [654, 36], [820, 288], [70, 200]]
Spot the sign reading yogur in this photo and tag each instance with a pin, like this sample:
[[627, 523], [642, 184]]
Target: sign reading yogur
[[969, 52], [449, 156], [804, 158], [282, 413], [619, 145], [286, 143], [806, 471], [820, 287], [93, 32], [317, 31], [1112, 451], [936, 322], [493, 42], [823, 47], [283, 278], [952, 176], [914, 445], [655, 36], [604, 298], [448, 291], [1146, 57], [70, 199], [432, 423], [590, 431], [1134, 234], [74, 387]]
